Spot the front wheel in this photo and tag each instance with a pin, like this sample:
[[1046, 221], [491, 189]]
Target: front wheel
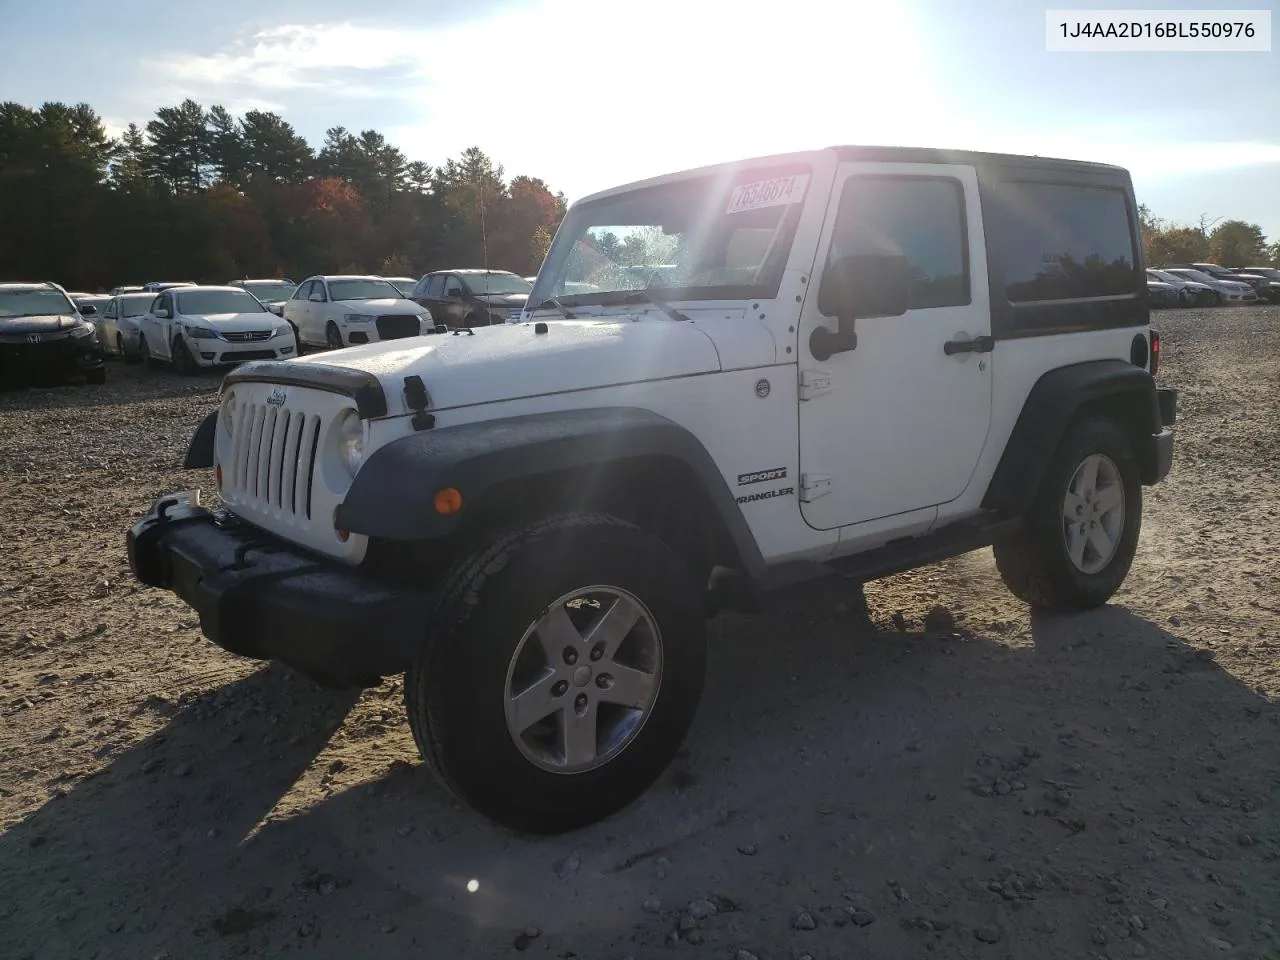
[[561, 670], [1082, 530], [183, 363], [144, 354], [333, 336]]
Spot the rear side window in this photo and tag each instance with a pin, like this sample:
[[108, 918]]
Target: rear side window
[[1062, 242], [920, 218]]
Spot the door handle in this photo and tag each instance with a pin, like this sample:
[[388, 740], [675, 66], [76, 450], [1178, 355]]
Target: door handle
[[982, 344]]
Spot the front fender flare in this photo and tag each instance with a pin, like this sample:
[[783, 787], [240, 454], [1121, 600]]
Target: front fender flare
[[393, 495], [200, 449]]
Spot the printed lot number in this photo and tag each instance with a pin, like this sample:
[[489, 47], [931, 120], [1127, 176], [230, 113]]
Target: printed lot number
[[778, 192]]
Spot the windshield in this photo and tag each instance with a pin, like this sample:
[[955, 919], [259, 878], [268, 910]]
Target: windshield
[[1197, 275], [34, 303], [272, 291], [722, 236], [362, 290], [1165, 277], [496, 283], [202, 302], [136, 306]]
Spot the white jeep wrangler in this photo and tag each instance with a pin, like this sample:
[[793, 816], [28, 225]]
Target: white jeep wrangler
[[846, 362]]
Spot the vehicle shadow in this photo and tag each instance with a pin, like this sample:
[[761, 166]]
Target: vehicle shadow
[[118, 855], [965, 789]]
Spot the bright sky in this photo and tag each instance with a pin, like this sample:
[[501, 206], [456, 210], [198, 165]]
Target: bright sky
[[587, 94]]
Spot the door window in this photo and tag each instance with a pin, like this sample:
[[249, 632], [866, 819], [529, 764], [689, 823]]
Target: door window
[[317, 292], [453, 288], [435, 287], [920, 218], [304, 291]]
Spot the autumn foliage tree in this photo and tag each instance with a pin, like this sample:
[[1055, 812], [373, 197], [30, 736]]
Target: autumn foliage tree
[[200, 194]]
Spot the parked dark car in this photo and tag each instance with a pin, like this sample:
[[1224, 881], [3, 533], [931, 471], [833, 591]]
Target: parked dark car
[[1261, 285], [472, 298], [45, 337], [1161, 295], [1190, 293], [1272, 291]]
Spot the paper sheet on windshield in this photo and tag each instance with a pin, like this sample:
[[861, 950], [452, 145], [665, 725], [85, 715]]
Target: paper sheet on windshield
[[777, 192]]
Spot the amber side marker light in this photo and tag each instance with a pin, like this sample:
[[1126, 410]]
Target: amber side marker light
[[448, 501], [217, 475]]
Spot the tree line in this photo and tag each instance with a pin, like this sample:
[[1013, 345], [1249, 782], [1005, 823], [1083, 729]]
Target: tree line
[[1231, 243], [199, 194]]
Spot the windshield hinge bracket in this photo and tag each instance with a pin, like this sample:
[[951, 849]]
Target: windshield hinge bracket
[[814, 383]]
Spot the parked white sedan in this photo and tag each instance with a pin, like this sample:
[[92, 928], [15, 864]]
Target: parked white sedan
[[194, 327], [337, 311], [119, 324]]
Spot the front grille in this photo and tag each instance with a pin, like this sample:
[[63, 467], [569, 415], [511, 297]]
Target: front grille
[[273, 459], [392, 327], [250, 336], [239, 355]]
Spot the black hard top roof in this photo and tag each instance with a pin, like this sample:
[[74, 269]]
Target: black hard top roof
[[971, 157]]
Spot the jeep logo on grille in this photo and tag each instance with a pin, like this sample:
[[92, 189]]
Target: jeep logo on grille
[[276, 397]]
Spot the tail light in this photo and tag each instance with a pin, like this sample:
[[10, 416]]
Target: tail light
[[1155, 352]]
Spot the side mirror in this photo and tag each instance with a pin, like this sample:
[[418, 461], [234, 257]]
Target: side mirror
[[867, 285], [88, 310]]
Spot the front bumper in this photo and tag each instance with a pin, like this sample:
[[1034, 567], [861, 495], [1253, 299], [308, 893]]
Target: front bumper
[[218, 353], [263, 598], [50, 356]]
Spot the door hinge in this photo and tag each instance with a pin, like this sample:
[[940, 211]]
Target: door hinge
[[813, 383], [814, 485]]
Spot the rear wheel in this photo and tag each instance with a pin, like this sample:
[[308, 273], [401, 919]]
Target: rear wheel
[[1082, 530], [333, 336], [561, 670]]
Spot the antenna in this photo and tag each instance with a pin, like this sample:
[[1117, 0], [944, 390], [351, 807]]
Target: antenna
[[484, 238]]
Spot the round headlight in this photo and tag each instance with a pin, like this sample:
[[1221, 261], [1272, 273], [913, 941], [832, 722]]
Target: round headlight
[[351, 441], [227, 416]]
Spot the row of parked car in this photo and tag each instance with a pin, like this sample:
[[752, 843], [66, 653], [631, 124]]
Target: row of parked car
[[1209, 284], [192, 326]]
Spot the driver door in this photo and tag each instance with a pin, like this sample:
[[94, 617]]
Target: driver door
[[895, 425], [454, 303]]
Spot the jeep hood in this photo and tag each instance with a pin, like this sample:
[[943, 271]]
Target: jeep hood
[[513, 361]]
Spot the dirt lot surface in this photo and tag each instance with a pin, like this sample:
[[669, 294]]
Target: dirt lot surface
[[1101, 785]]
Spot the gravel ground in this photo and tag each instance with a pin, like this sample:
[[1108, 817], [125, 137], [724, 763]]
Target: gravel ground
[[1100, 785]]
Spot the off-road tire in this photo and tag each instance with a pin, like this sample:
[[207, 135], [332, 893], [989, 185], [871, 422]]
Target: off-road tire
[[1034, 564], [455, 690], [333, 336], [183, 363]]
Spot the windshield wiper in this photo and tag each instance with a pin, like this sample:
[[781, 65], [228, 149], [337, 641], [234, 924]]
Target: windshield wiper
[[564, 311], [642, 296]]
